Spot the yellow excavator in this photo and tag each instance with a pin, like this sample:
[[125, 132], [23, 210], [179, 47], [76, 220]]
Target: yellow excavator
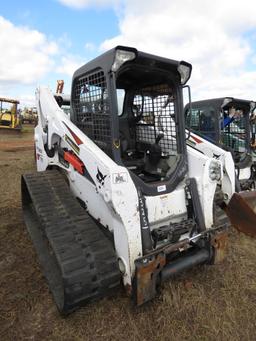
[[9, 117]]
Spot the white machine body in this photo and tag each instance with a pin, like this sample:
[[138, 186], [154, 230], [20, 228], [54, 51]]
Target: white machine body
[[112, 199]]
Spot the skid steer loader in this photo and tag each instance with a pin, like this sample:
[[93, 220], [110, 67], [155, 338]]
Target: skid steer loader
[[227, 122], [118, 195]]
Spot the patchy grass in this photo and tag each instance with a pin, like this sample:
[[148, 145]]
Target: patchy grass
[[27, 128], [206, 303]]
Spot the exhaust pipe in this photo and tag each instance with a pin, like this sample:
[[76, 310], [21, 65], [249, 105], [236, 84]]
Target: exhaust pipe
[[184, 263]]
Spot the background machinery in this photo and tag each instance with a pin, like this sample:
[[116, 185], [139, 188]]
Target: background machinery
[[118, 194], [29, 115], [227, 122], [9, 116]]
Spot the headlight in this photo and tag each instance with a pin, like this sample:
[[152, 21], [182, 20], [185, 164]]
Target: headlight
[[185, 72], [215, 171], [121, 57]]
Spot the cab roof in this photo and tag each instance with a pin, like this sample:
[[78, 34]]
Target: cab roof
[[106, 60], [220, 102]]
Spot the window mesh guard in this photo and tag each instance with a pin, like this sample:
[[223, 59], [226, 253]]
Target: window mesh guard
[[234, 134], [154, 109], [91, 106]]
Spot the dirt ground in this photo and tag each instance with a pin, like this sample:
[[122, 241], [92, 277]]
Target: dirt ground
[[206, 303]]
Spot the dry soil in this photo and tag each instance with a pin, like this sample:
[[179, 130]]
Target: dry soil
[[206, 303]]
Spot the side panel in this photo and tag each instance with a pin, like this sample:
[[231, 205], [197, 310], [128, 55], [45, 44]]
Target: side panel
[[199, 168], [212, 151], [109, 192]]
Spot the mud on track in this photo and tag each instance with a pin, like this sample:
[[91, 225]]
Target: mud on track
[[207, 303]]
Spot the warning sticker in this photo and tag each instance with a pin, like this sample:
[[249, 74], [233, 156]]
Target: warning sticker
[[119, 178]]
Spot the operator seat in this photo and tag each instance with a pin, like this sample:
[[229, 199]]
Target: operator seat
[[130, 154]]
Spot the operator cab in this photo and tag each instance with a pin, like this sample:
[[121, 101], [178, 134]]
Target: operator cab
[[148, 124], [224, 122], [130, 104]]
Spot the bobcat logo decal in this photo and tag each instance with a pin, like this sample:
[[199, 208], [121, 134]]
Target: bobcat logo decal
[[215, 156], [100, 177]]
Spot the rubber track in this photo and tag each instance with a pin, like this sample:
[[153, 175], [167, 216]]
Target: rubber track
[[77, 258]]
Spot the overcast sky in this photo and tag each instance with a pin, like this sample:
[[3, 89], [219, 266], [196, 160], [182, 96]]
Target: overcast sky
[[42, 41]]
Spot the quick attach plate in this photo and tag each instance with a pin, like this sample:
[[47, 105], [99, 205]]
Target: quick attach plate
[[147, 272]]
